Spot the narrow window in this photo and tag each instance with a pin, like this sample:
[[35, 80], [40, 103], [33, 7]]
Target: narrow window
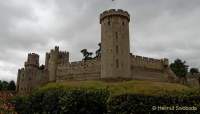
[[116, 34], [117, 63], [117, 49], [123, 23], [108, 22]]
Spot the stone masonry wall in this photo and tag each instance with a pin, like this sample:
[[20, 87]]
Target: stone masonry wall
[[30, 79], [145, 62], [80, 70], [144, 68]]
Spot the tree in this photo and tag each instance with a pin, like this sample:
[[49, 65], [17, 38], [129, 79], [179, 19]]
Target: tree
[[11, 85], [179, 67], [42, 67], [1, 86], [194, 71], [4, 85], [87, 55], [98, 51]]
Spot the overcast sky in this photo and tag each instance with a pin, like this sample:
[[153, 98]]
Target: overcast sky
[[158, 28]]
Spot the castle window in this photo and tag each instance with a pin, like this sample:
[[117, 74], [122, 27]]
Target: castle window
[[116, 34], [117, 63], [132, 67], [117, 49], [108, 22], [123, 23]]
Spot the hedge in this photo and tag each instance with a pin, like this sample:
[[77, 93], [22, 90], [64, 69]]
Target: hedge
[[61, 101], [100, 101], [133, 103]]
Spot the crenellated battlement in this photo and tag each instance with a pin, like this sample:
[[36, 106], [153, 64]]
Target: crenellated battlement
[[63, 54], [114, 12], [81, 63], [146, 62], [57, 56]]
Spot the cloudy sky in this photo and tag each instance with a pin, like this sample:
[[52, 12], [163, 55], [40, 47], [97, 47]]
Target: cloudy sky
[[158, 28]]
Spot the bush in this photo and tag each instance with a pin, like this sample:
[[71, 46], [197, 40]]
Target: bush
[[85, 102], [99, 101], [132, 103], [21, 104], [46, 101], [63, 101]]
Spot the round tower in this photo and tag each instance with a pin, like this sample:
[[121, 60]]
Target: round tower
[[115, 62]]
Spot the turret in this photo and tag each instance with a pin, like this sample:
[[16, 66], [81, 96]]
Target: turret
[[32, 61], [53, 63], [53, 59]]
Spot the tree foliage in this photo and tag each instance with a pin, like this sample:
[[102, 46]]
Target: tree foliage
[[7, 86], [63, 101], [100, 101], [86, 55], [179, 67], [141, 104], [11, 85], [194, 70], [98, 51]]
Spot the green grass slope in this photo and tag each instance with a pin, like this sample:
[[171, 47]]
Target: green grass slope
[[116, 88]]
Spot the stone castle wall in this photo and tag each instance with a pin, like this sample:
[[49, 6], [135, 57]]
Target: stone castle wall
[[148, 63], [144, 68], [80, 70], [32, 76]]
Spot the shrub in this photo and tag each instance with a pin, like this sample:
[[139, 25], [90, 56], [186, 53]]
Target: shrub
[[21, 104], [46, 101], [99, 101], [133, 103], [85, 102], [62, 101]]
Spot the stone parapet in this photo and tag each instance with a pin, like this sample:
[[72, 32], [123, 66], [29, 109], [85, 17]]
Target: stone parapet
[[114, 12]]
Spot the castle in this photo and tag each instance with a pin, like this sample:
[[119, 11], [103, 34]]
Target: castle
[[115, 62]]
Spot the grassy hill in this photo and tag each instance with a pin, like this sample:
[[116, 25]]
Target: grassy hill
[[135, 86]]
